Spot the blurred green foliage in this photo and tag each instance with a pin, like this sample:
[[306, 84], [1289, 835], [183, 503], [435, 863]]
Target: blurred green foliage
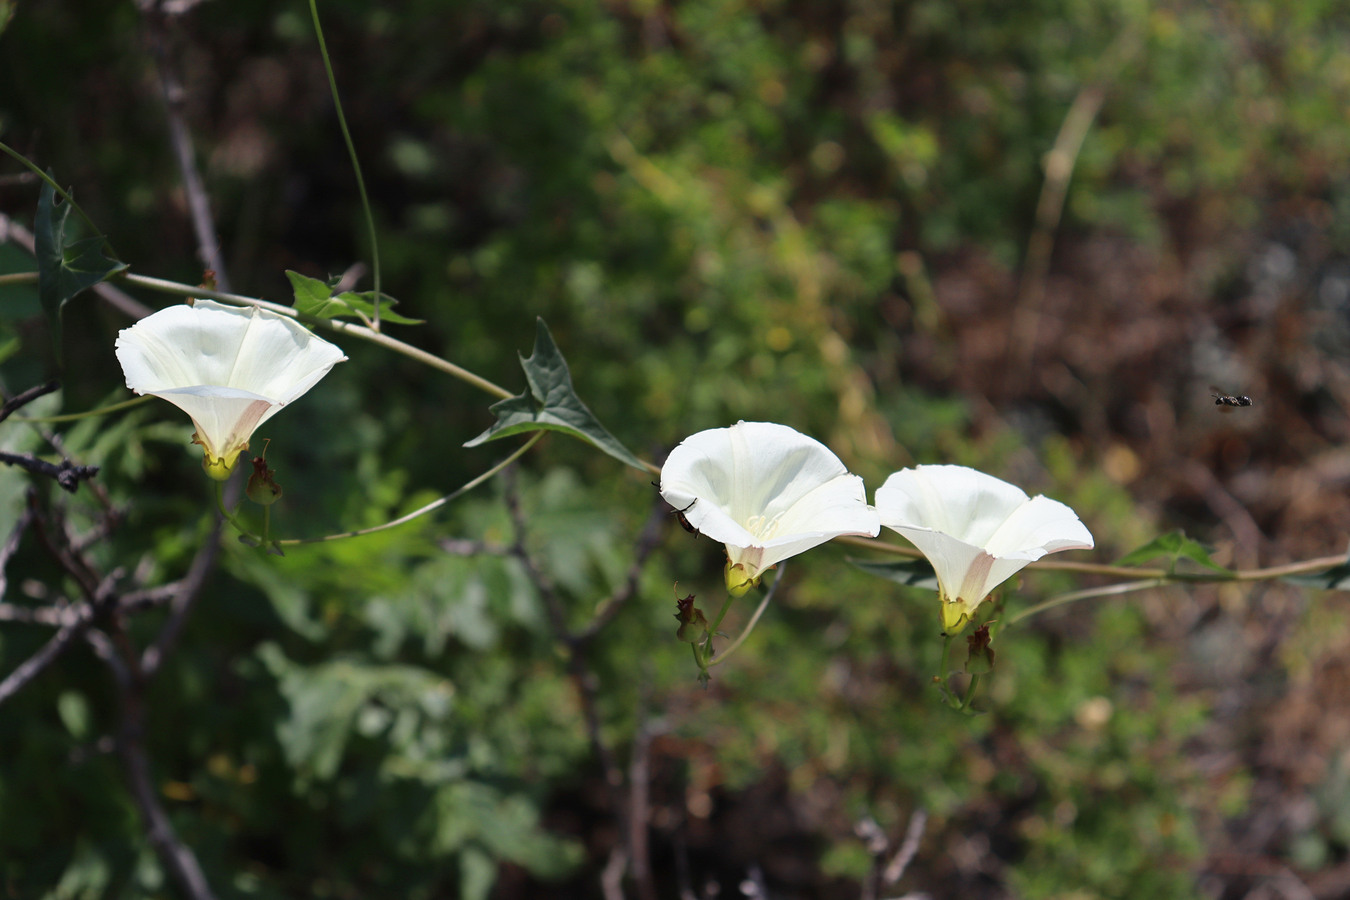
[[706, 201]]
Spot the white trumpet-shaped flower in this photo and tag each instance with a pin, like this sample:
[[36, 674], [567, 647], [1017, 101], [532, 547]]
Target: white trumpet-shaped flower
[[767, 492], [976, 530], [229, 368]]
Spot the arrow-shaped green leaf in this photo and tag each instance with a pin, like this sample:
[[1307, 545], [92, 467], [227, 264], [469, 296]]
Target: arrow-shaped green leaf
[[1176, 545], [551, 404], [65, 266], [314, 298]]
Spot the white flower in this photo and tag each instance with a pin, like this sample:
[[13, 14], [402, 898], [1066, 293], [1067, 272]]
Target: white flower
[[229, 368], [976, 530], [767, 492]]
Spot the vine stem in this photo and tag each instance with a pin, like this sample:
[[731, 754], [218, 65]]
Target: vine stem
[[88, 413], [356, 163], [51, 183], [433, 505], [1163, 576], [754, 619]]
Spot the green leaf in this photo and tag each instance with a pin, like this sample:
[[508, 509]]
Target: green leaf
[[912, 572], [1337, 578], [1175, 545], [65, 266], [551, 404], [315, 298]]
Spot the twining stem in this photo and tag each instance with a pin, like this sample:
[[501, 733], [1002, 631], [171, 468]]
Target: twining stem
[[47, 179], [750, 626], [1128, 587], [88, 413], [1164, 576], [721, 614], [356, 163], [946, 654], [433, 505], [226, 514], [970, 693]]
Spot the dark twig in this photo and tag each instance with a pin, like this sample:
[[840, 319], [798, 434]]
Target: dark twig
[[33, 666], [20, 400], [189, 589], [579, 671], [12, 544], [647, 542], [67, 474], [175, 856], [199, 205]]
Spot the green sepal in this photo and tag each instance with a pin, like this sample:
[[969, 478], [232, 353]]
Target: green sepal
[[315, 298], [1175, 545], [551, 404], [65, 266]]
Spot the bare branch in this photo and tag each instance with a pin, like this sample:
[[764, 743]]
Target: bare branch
[[20, 400], [199, 205], [639, 792], [33, 666], [66, 473], [189, 590], [12, 544], [578, 668], [918, 820], [175, 856], [647, 542]]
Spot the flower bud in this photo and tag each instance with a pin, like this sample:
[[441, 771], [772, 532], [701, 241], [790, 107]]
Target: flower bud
[[981, 658], [262, 487], [693, 626]]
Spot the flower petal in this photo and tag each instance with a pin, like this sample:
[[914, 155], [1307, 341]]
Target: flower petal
[[959, 501], [229, 368], [225, 417], [976, 530], [210, 343], [1040, 524], [765, 490]]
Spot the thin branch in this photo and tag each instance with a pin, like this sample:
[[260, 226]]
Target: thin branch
[[12, 544], [647, 543], [22, 399], [1269, 573], [67, 474], [430, 507], [33, 666], [754, 620], [1110, 590], [611, 877], [189, 590], [639, 802], [583, 679], [174, 855], [1059, 166], [199, 204], [918, 820]]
